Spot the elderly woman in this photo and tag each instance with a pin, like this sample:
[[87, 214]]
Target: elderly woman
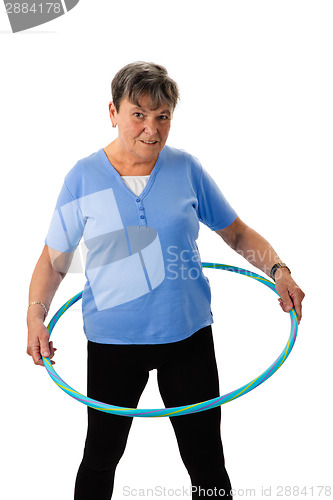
[[146, 302]]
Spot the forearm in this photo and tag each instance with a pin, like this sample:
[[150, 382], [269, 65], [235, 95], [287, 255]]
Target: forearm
[[44, 284], [256, 250]]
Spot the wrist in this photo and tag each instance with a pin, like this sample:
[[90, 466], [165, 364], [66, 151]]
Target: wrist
[[36, 311], [281, 274], [279, 270], [33, 317]]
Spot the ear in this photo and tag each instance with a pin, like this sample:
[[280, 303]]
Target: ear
[[113, 114]]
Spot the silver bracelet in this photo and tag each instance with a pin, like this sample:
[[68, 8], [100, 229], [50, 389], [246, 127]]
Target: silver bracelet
[[41, 304]]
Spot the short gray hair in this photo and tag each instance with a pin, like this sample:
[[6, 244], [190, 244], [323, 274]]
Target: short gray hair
[[141, 78]]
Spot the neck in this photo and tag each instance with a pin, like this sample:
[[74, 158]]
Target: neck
[[126, 164]]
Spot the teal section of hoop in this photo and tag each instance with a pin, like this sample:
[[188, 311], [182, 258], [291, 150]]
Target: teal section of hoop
[[187, 409]]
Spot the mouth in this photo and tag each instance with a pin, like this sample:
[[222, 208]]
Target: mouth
[[149, 142]]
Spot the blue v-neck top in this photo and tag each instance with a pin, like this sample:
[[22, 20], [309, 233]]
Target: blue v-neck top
[[145, 283]]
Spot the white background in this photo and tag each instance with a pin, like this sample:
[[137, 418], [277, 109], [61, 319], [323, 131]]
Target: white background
[[256, 108]]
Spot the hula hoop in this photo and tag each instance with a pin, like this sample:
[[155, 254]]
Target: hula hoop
[[180, 410]]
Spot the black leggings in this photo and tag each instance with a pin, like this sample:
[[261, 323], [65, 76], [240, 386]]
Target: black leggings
[[187, 373]]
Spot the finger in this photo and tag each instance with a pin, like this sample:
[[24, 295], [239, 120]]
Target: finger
[[286, 302], [44, 346], [36, 356], [51, 349], [297, 299], [297, 306]]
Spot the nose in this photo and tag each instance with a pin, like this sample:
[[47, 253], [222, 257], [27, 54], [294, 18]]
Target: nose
[[150, 127]]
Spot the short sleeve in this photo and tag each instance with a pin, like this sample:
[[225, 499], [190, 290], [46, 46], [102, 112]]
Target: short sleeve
[[213, 209], [67, 224]]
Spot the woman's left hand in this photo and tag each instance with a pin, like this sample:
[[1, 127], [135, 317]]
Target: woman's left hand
[[291, 295]]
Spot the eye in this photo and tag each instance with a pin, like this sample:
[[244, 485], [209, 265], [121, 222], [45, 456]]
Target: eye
[[138, 115], [163, 117]]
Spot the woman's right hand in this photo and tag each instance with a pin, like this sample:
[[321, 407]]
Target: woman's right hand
[[38, 342], [44, 283]]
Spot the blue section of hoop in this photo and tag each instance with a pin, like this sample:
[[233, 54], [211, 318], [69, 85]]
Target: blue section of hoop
[[181, 410]]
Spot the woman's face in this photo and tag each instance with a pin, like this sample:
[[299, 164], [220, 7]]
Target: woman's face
[[142, 132]]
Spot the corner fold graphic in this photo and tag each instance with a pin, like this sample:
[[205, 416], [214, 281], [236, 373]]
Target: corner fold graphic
[[70, 4], [28, 14]]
